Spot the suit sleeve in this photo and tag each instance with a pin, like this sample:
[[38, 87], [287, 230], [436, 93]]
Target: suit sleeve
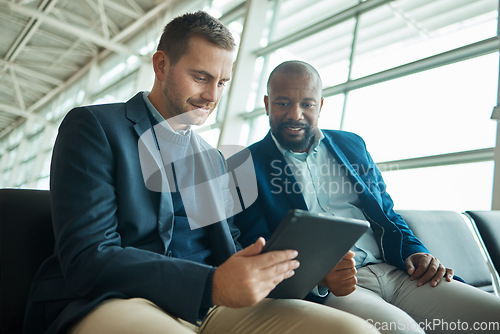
[[88, 242]]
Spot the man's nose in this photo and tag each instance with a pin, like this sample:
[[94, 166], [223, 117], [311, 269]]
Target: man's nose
[[210, 92], [295, 112]]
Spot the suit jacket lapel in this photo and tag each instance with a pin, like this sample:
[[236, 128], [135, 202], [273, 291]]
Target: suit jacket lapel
[[151, 164], [136, 112], [342, 159]]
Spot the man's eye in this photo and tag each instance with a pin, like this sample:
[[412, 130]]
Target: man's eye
[[221, 83], [282, 104], [199, 79], [307, 105]]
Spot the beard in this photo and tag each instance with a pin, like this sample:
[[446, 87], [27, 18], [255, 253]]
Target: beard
[[179, 110], [174, 105], [294, 145]]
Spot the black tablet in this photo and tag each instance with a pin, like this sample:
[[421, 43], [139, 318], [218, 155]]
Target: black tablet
[[322, 240]]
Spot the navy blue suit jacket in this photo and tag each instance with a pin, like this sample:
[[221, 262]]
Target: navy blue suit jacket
[[112, 233], [277, 194]]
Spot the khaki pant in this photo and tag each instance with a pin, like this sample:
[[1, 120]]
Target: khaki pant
[[387, 298], [126, 316]]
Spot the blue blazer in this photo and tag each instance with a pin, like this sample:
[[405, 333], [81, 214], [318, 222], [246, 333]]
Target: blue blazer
[[274, 178], [112, 233]]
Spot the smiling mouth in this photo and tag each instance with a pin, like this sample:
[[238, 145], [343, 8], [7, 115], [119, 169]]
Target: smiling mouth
[[293, 131], [202, 108], [294, 128]]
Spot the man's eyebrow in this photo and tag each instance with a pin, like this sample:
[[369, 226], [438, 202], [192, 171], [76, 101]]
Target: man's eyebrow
[[205, 73], [308, 99]]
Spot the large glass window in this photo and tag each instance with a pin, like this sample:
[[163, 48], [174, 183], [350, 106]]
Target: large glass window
[[294, 15], [121, 91], [328, 51], [438, 111], [457, 187], [408, 30], [331, 114]]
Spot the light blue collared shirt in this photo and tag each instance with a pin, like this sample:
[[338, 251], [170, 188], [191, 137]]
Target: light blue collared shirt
[[327, 188]]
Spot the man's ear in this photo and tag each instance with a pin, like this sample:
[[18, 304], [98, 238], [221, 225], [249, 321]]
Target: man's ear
[[161, 64], [321, 104], [266, 103]]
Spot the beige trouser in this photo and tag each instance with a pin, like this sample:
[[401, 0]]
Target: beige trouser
[[126, 316], [387, 298]]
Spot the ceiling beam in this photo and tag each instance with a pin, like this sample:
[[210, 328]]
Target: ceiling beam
[[50, 50], [30, 28], [19, 95], [135, 6], [12, 127], [122, 9], [43, 77], [17, 112], [77, 31], [141, 22], [130, 30], [103, 18]]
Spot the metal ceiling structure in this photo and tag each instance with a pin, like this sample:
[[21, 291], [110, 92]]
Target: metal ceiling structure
[[44, 43]]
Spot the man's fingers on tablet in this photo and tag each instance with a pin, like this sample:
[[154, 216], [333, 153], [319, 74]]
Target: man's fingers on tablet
[[278, 279], [350, 281], [281, 277], [349, 255], [280, 271], [345, 264], [281, 268], [275, 257], [348, 272]]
